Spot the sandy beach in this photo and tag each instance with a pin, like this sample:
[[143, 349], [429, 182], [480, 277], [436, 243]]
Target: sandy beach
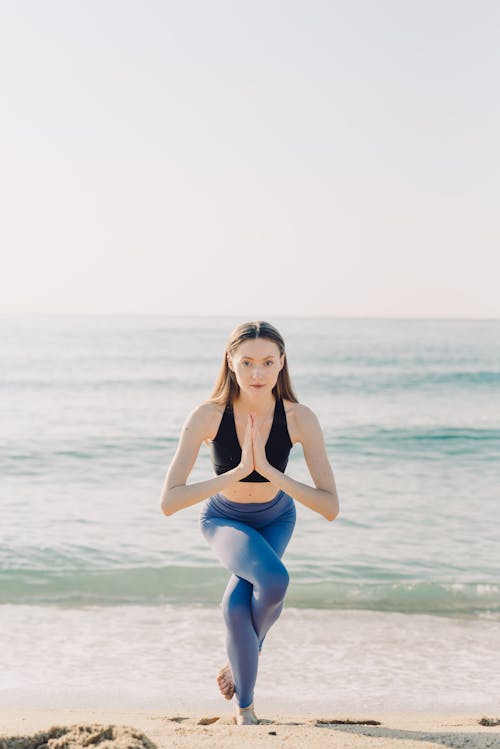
[[135, 730]]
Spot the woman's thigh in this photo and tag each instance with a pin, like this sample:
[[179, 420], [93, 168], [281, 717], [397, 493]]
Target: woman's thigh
[[279, 533], [244, 550]]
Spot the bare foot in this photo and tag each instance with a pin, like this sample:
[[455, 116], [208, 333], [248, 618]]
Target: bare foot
[[245, 716], [225, 681]]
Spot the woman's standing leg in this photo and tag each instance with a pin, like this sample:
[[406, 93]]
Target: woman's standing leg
[[255, 593]]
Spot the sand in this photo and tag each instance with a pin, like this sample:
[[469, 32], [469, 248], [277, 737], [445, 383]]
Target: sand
[[65, 729]]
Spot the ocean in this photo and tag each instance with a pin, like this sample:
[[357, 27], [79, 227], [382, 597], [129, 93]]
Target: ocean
[[104, 600]]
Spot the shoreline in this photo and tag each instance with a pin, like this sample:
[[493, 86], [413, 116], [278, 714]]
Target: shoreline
[[139, 658], [409, 729]]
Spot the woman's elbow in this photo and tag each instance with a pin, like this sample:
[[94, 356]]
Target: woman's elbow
[[330, 515], [166, 505], [333, 510], [166, 510]]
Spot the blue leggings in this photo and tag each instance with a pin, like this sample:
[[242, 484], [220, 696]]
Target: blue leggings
[[249, 539]]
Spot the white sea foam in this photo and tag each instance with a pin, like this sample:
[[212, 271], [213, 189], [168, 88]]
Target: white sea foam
[[159, 657]]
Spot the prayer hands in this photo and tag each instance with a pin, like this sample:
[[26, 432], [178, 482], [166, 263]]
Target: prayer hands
[[259, 449], [253, 451]]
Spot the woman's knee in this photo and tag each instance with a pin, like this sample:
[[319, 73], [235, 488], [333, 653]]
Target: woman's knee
[[274, 583]]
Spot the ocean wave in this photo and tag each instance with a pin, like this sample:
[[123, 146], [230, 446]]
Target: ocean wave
[[19, 457], [338, 377], [390, 380], [418, 442], [202, 584]]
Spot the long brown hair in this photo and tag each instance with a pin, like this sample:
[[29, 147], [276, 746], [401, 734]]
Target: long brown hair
[[226, 387]]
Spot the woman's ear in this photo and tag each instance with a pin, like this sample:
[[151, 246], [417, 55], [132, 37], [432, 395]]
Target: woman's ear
[[230, 362]]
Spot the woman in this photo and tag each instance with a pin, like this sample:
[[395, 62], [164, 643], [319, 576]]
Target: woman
[[250, 424]]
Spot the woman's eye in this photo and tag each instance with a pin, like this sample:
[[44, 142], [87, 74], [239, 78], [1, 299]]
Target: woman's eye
[[269, 362]]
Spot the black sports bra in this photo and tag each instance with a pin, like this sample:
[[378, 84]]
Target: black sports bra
[[225, 449]]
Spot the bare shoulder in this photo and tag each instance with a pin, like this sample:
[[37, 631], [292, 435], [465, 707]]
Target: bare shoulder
[[301, 420], [206, 418]]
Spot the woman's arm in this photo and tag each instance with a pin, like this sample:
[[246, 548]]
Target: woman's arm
[[323, 496], [176, 495]]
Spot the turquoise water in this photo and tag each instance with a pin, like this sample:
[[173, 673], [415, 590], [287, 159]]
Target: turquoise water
[[105, 602], [92, 408]]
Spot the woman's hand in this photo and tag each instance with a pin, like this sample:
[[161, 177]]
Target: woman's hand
[[247, 461], [260, 460]]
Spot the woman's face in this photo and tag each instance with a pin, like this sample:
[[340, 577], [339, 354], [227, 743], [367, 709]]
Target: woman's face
[[256, 364]]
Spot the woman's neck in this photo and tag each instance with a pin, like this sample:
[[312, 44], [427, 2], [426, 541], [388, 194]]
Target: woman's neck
[[260, 406]]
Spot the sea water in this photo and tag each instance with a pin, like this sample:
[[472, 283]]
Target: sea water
[[104, 600]]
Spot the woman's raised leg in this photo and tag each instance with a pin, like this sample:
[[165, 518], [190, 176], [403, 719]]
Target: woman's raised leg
[[277, 535]]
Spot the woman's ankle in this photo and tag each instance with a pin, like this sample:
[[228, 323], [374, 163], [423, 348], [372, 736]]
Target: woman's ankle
[[245, 716], [248, 707]]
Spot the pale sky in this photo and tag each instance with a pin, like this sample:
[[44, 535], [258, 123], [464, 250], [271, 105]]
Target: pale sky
[[250, 157]]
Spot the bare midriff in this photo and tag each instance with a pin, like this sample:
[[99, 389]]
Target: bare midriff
[[248, 491]]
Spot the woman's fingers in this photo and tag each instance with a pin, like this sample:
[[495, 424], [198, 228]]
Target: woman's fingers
[[247, 447], [248, 430]]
